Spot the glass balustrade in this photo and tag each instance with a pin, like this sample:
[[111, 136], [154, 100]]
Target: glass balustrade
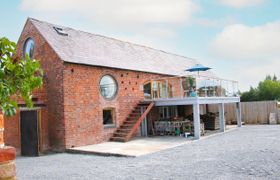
[[190, 86]]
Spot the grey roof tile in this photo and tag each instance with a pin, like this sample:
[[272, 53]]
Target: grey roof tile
[[91, 49]]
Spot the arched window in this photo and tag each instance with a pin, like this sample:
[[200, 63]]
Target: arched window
[[28, 48]]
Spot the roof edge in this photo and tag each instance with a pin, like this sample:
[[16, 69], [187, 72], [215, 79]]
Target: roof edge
[[84, 64]]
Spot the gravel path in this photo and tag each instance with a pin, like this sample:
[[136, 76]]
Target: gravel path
[[251, 152]]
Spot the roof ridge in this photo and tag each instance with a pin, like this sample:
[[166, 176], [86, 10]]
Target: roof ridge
[[112, 38]]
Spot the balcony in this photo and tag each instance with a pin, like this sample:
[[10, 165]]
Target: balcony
[[191, 90]]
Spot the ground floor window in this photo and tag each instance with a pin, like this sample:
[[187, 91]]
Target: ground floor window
[[167, 112], [108, 116]]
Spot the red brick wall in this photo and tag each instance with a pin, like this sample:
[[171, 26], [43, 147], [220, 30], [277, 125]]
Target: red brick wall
[[83, 104], [11, 133], [52, 124]]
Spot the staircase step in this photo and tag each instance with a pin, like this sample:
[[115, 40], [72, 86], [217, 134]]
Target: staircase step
[[138, 108], [118, 139], [126, 126], [134, 115], [130, 122], [131, 119], [124, 130], [120, 134], [136, 111]]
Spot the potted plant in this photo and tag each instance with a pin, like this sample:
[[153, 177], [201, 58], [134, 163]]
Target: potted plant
[[191, 83], [18, 78]]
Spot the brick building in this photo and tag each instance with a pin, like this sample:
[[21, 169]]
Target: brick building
[[92, 85]]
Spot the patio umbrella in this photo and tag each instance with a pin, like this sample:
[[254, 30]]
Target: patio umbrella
[[197, 68]]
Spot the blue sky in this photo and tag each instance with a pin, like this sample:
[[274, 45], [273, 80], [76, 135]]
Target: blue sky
[[239, 39]]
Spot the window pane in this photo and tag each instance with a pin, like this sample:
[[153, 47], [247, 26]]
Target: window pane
[[108, 87], [147, 90], [29, 48], [108, 116]]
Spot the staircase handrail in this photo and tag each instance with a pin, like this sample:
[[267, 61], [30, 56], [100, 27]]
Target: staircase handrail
[[138, 122]]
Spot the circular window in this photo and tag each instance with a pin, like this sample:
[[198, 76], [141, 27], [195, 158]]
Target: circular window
[[108, 87], [28, 48]]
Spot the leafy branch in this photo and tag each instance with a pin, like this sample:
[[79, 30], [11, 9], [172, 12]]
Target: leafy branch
[[18, 78]]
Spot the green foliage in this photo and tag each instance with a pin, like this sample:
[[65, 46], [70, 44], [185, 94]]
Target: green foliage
[[269, 89], [18, 78], [251, 95], [190, 81]]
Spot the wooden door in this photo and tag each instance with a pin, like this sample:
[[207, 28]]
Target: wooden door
[[29, 133]]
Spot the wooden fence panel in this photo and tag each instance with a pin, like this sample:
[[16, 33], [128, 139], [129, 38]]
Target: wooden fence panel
[[256, 112]]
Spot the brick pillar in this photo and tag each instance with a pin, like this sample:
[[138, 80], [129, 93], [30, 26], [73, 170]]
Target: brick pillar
[[7, 156], [1, 130]]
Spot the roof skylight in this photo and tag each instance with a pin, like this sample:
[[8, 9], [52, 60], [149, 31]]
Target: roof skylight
[[60, 31]]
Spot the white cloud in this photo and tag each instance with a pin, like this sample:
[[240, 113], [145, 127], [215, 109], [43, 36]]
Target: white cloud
[[214, 23], [250, 74], [241, 3], [239, 41], [255, 51], [128, 12]]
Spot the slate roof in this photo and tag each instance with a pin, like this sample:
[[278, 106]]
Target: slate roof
[[91, 49]]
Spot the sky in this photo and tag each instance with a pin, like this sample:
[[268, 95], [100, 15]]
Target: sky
[[238, 39]]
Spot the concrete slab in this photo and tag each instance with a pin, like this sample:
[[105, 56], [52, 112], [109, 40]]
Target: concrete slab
[[138, 146]]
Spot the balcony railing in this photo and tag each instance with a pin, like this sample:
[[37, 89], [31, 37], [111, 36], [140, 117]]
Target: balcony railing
[[190, 86]]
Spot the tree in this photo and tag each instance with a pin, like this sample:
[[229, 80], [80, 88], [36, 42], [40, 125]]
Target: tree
[[18, 78], [268, 77], [251, 95], [269, 89], [274, 78]]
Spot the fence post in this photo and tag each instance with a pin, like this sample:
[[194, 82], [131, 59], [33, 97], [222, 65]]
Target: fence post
[[238, 114]]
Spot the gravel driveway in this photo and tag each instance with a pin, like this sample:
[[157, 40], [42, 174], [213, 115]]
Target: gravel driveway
[[250, 152]]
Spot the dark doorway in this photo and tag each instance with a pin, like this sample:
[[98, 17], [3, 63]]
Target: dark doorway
[[29, 133]]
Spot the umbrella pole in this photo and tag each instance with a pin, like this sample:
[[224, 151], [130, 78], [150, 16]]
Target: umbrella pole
[[196, 83]]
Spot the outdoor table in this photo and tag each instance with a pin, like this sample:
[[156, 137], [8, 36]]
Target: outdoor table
[[169, 127]]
